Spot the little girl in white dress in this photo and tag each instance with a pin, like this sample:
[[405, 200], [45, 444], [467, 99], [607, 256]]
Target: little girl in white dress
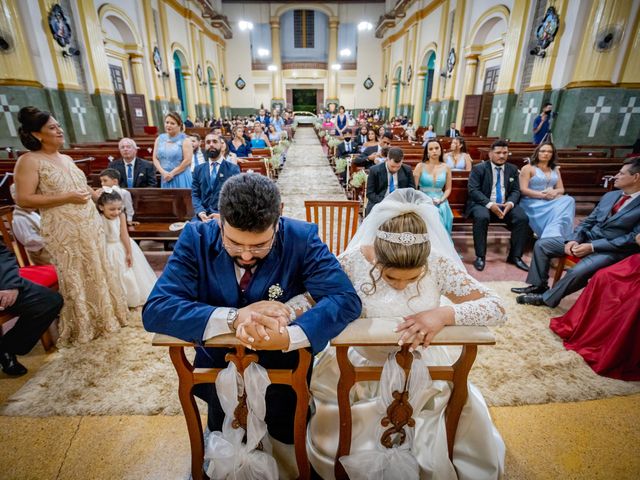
[[127, 260]]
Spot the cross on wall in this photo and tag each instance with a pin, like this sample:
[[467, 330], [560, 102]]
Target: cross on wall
[[529, 112], [628, 111], [8, 109], [81, 112], [430, 114], [497, 111], [111, 112], [443, 115], [596, 110]]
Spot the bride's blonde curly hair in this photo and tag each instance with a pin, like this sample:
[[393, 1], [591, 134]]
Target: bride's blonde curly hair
[[396, 255]]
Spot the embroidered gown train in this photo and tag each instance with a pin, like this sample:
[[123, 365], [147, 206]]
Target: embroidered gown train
[[94, 301], [478, 450]]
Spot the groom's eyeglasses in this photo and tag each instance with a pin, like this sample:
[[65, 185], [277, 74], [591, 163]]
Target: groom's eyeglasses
[[234, 249]]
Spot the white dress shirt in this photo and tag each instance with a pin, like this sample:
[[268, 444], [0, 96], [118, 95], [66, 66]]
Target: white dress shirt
[[217, 324], [494, 178], [628, 202], [395, 179]]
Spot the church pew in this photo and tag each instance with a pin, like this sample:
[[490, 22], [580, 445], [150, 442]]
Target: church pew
[[6, 180], [156, 209], [610, 149]]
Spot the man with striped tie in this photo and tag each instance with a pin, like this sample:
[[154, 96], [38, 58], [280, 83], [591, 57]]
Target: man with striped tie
[[388, 176]]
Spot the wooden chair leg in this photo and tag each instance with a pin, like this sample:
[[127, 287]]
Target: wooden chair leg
[[345, 383], [190, 409], [47, 341], [459, 392], [559, 270], [299, 385]]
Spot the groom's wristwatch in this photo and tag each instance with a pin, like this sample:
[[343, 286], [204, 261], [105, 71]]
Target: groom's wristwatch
[[231, 317]]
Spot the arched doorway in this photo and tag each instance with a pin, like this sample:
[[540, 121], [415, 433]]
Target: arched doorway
[[397, 77], [428, 69], [178, 62], [210, 77]]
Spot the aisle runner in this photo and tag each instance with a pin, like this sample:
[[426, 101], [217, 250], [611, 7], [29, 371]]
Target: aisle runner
[[307, 175]]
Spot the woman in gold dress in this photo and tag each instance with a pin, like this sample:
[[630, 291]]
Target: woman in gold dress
[[94, 301]]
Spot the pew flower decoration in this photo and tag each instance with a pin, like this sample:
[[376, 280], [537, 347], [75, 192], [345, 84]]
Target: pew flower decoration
[[322, 133], [333, 142], [294, 125], [358, 179], [274, 161], [317, 126], [341, 165], [285, 143], [275, 292]]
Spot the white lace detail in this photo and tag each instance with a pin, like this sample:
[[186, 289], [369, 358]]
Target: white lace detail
[[298, 305], [455, 283]]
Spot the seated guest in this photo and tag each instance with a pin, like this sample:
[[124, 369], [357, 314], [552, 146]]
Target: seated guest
[[188, 123], [259, 139], [198, 156], [452, 132], [605, 237], [494, 193], [550, 211], [409, 130], [209, 177], [362, 136], [134, 171], [25, 227], [382, 130], [458, 158], [238, 144], [374, 154], [602, 326], [36, 307], [276, 120], [348, 145], [110, 177], [263, 118], [428, 133], [372, 140], [386, 177]]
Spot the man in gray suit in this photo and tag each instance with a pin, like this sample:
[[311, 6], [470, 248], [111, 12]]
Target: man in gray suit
[[386, 177], [602, 239]]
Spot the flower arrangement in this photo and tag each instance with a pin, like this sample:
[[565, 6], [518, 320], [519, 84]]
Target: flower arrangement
[[322, 133], [273, 162], [358, 179], [294, 125], [341, 164], [285, 144], [275, 292], [333, 142]]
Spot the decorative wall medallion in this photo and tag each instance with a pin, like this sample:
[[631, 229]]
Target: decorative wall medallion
[[222, 81], [547, 30], [409, 74], [368, 83], [386, 80], [6, 42], [59, 26], [451, 60], [199, 73], [157, 59], [240, 83]]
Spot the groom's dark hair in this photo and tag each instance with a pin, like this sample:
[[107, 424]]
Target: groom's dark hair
[[249, 202]]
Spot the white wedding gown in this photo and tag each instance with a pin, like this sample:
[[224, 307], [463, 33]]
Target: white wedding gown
[[478, 450]]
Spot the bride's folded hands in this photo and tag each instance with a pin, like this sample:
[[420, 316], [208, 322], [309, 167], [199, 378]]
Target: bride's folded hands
[[420, 328]]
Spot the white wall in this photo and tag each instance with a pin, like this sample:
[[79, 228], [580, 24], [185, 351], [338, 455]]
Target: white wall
[[34, 24]]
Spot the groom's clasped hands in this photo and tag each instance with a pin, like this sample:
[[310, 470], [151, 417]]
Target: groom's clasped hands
[[262, 325]]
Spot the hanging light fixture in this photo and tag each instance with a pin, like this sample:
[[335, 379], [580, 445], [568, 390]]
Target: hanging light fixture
[[244, 25], [263, 52], [345, 52]]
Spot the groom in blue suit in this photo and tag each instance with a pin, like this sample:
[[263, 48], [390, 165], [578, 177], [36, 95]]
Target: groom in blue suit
[[219, 278], [208, 178]]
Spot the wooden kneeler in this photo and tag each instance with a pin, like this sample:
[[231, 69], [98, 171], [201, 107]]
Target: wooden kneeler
[[365, 333], [189, 376]]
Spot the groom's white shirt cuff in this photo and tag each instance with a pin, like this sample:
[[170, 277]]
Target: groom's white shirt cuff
[[217, 325]]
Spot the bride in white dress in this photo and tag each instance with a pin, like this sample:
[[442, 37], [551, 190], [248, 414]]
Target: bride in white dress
[[401, 262]]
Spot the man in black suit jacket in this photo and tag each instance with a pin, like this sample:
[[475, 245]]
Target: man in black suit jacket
[[36, 307], [361, 136], [605, 237], [371, 156], [494, 192], [134, 172], [452, 132], [348, 146], [386, 177]]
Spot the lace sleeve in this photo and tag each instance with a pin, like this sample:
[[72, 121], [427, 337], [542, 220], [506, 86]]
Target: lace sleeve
[[474, 304]]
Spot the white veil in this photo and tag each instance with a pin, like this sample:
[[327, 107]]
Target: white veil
[[401, 201]]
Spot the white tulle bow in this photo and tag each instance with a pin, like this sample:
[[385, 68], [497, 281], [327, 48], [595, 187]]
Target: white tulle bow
[[230, 458], [399, 462]]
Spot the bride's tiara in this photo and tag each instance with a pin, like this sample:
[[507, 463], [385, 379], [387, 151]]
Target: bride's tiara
[[404, 238]]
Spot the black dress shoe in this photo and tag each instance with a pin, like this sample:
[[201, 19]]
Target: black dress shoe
[[517, 261], [479, 263], [530, 289], [530, 299], [11, 365]]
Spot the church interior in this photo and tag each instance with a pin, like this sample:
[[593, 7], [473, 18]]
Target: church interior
[[317, 75]]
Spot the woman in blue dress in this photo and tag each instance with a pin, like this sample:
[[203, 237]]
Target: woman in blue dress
[[433, 177], [341, 121], [259, 139], [458, 158], [550, 211], [238, 145], [172, 154]]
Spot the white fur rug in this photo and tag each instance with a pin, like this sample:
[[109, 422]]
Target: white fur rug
[[124, 375]]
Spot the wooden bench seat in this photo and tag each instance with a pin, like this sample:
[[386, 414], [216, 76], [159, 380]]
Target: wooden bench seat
[[156, 209]]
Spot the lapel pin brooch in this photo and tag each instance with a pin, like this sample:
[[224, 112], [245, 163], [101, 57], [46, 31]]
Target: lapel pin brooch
[[275, 292]]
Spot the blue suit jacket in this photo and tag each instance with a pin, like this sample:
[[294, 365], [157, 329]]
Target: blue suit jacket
[[200, 276], [204, 194], [611, 233]]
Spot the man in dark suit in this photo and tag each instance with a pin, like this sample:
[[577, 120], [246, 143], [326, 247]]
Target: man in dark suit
[[386, 177], [605, 237], [221, 275], [348, 146], [209, 177], [134, 172], [35, 306], [494, 193], [361, 137], [452, 132], [263, 118], [371, 156]]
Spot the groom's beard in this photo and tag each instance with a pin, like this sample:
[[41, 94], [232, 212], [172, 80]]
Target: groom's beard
[[250, 264]]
